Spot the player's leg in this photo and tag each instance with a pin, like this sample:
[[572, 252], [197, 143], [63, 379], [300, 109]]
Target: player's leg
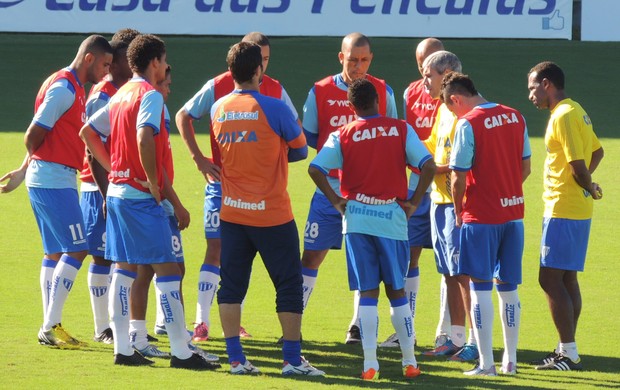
[[236, 266], [479, 262], [91, 204], [508, 276], [60, 222]]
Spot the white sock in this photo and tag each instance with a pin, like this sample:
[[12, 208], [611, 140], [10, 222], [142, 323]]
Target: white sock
[[118, 306], [510, 314], [570, 350], [310, 276], [208, 280], [63, 278], [137, 334], [356, 304], [472, 337], [369, 326], [458, 335], [444, 310], [159, 316], [412, 285], [173, 315], [45, 280], [400, 314], [99, 286], [482, 317]]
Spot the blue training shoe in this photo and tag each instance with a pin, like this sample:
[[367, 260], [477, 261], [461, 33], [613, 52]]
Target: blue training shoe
[[468, 353]]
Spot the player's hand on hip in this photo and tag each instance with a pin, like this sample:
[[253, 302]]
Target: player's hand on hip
[[153, 189], [596, 192], [15, 178], [408, 207], [208, 169], [341, 205]]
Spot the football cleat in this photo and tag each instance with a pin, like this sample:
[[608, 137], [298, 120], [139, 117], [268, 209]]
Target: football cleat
[[194, 362], [353, 335], [134, 360], [105, 337], [447, 349], [548, 359], [303, 369], [206, 355], [243, 333], [468, 353], [153, 352], [58, 337], [201, 332], [478, 371], [562, 363], [370, 375], [509, 369], [411, 371], [243, 369], [391, 342]]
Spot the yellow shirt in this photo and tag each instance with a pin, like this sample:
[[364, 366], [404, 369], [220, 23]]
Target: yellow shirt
[[439, 144], [569, 137]]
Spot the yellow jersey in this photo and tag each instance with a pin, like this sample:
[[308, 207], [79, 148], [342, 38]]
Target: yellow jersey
[[569, 137], [439, 144]]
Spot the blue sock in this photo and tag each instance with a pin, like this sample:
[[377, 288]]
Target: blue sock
[[291, 350], [234, 350]]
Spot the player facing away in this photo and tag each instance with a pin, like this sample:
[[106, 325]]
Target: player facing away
[[196, 108], [325, 110], [93, 188], [138, 230], [490, 161], [445, 232], [372, 153], [573, 154], [54, 154], [256, 213], [420, 110]]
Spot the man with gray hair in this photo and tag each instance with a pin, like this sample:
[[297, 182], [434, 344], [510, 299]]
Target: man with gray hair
[[445, 232]]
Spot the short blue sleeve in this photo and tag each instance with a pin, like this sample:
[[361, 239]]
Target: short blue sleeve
[[100, 121], [150, 112], [417, 154], [390, 106], [330, 156], [311, 115], [462, 157], [527, 150], [200, 104], [279, 116], [96, 102], [58, 99]]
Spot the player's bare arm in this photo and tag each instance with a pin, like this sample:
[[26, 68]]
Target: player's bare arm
[[321, 182], [146, 150], [181, 213], [95, 146], [427, 173], [15, 178], [597, 156], [582, 176], [458, 193], [186, 128]]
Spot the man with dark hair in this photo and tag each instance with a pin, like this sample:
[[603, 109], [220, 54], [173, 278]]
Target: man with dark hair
[[325, 110], [198, 107], [54, 154], [573, 154], [93, 188], [256, 211], [372, 153], [490, 160], [137, 228], [125, 35]]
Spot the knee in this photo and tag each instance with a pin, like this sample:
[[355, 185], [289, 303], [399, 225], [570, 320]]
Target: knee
[[312, 259], [289, 295]]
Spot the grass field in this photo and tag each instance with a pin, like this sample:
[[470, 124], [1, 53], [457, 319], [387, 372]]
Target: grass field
[[498, 67]]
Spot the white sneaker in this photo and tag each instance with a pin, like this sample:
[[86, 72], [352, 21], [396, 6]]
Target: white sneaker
[[153, 352], [509, 369], [391, 342], [243, 369], [303, 369], [479, 371], [205, 355]]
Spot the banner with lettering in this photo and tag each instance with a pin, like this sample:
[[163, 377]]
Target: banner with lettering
[[550, 19]]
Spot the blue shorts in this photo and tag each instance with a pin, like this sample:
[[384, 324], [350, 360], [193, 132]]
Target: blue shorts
[[564, 243], [419, 225], [323, 226], [58, 215], [91, 203], [177, 244], [446, 236], [212, 207], [372, 260], [492, 251], [138, 232], [278, 246]]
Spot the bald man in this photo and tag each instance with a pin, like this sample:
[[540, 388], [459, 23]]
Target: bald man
[[327, 109], [55, 153]]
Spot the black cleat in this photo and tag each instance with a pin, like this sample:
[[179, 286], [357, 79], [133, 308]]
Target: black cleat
[[353, 335], [105, 337], [562, 363], [194, 362], [134, 360], [151, 339], [548, 359]]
